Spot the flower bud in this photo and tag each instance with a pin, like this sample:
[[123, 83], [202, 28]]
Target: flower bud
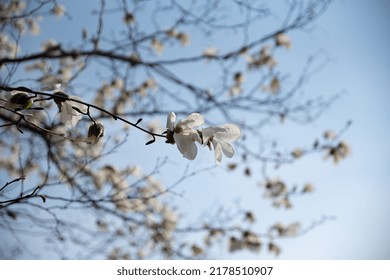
[[95, 132]]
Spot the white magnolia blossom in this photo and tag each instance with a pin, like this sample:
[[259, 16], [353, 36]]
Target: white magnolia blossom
[[183, 134], [70, 111], [95, 132], [18, 100], [220, 138]]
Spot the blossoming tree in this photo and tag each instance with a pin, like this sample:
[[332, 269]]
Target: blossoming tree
[[74, 80]]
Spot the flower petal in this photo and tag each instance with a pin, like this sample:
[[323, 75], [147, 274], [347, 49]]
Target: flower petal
[[217, 151], [186, 145], [171, 119], [82, 108], [228, 132], [209, 132], [227, 149], [191, 121]]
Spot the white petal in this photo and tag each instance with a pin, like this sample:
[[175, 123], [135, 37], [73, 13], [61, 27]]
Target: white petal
[[171, 119], [193, 134], [69, 119], [186, 145], [228, 132], [51, 87], [207, 133], [227, 149], [83, 108], [217, 151], [191, 121]]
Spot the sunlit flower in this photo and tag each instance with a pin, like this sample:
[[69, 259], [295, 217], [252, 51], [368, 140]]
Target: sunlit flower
[[220, 138], [71, 111], [95, 132], [18, 100], [183, 133]]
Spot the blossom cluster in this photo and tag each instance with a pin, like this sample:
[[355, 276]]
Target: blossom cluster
[[70, 109], [184, 135]]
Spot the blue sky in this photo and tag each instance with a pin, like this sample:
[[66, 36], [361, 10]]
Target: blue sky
[[354, 36]]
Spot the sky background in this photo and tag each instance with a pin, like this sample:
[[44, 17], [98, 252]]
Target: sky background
[[355, 37]]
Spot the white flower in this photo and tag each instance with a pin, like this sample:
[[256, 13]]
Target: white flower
[[220, 138], [18, 100], [70, 110], [95, 132], [183, 133]]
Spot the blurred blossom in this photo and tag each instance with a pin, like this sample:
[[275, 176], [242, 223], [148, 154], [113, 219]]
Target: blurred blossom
[[235, 244], [18, 100], [33, 26], [339, 152], [129, 18], [49, 44], [196, 250], [210, 52], [251, 241], [275, 85], [235, 90], [157, 45], [70, 111], [282, 39], [117, 83], [239, 78], [95, 132], [183, 38], [297, 153], [329, 135], [308, 188], [58, 10], [274, 249], [171, 33], [250, 217]]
